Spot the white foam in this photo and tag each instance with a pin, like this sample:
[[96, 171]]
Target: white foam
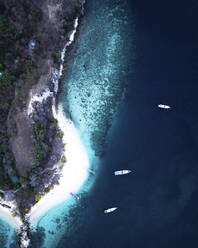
[[74, 172]]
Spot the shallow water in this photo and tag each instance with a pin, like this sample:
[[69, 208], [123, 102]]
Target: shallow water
[[8, 237], [96, 71]]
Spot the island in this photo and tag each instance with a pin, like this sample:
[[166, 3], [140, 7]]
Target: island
[[34, 36]]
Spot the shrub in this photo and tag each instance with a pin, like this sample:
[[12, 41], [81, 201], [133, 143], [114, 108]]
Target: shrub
[[60, 133], [39, 131], [40, 151], [14, 214], [47, 190], [55, 121], [63, 159], [37, 197], [7, 79]]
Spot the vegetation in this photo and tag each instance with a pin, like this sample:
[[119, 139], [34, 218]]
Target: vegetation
[[41, 149], [9, 71], [60, 133], [39, 131], [37, 197], [63, 159], [14, 214], [22, 219], [50, 187]]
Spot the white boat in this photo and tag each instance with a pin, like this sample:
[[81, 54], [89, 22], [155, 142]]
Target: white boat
[[91, 171], [163, 106], [109, 210], [75, 196], [121, 172]]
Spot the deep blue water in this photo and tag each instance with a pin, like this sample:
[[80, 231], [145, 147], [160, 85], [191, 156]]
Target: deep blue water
[[158, 203]]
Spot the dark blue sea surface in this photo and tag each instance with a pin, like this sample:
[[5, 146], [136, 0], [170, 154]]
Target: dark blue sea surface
[[158, 202]]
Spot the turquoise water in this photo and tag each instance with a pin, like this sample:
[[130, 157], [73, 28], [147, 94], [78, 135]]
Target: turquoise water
[[8, 237], [96, 70]]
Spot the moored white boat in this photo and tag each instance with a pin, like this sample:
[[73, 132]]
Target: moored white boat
[[121, 172], [109, 210], [163, 106], [74, 196], [91, 171]]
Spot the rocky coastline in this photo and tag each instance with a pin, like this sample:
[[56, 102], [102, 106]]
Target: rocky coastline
[[34, 137]]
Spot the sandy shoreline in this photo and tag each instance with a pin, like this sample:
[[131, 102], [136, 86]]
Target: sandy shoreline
[[74, 172], [6, 215]]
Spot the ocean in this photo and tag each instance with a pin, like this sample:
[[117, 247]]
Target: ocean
[[128, 57]]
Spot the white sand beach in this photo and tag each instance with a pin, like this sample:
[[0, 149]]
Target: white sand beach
[[6, 215], [74, 172]]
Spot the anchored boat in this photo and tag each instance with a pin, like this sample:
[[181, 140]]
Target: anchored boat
[[74, 196], [91, 171], [121, 172], [163, 106], [109, 210]]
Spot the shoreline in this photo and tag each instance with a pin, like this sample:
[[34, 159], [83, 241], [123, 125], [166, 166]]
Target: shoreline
[[6, 215], [74, 173]]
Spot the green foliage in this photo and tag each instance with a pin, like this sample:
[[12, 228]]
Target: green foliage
[[50, 187], [55, 121], [14, 214], [40, 151], [5, 182], [37, 197], [47, 190], [39, 131], [60, 133], [63, 159], [7, 79], [26, 210], [40, 148]]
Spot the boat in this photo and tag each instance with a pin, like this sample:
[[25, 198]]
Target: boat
[[91, 171], [109, 210], [163, 106], [74, 196], [121, 172]]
